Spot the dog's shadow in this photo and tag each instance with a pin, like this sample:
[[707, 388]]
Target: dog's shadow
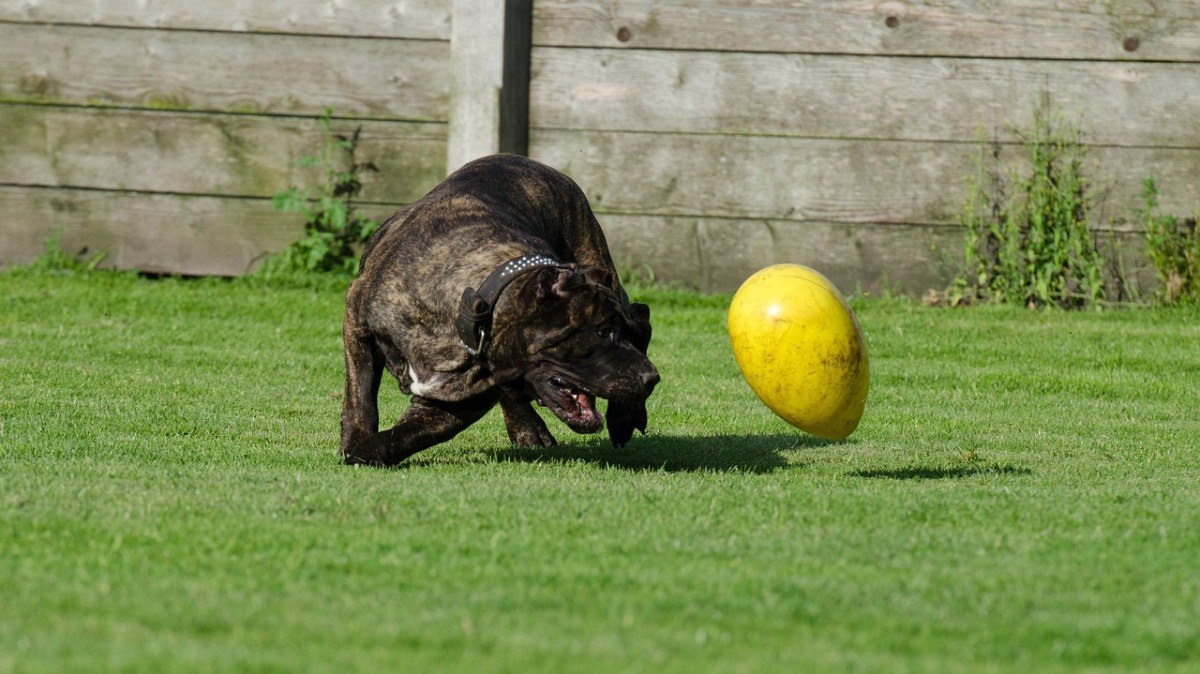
[[732, 453]]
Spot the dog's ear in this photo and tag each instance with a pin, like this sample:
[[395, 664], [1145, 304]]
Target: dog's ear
[[641, 312], [599, 276], [566, 282], [559, 282], [639, 326]]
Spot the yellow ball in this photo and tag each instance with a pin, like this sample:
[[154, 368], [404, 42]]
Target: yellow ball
[[800, 348]]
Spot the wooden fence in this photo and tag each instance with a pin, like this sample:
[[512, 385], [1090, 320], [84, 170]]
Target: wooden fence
[[159, 131], [714, 137]]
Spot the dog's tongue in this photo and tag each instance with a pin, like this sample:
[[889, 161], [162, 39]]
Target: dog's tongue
[[586, 403]]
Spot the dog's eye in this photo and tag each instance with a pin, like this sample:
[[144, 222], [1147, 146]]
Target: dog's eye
[[608, 334]]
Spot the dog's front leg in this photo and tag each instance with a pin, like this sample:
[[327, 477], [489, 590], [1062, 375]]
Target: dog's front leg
[[525, 427], [424, 424], [364, 370]]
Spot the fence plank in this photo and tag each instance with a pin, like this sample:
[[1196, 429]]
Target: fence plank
[[717, 255], [148, 232], [1069, 29], [184, 70], [489, 105], [858, 97], [825, 179], [193, 153], [416, 19], [190, 235]]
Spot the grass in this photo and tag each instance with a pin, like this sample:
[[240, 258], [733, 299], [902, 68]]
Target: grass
[[1022, 495]]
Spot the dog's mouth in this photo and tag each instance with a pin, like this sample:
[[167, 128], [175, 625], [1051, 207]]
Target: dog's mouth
[[571, 403]]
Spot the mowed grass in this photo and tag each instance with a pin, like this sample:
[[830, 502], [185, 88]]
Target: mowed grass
[[1022, 495]]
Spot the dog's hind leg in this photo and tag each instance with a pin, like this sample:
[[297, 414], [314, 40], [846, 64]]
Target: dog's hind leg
[[525, 427], [424, 424]]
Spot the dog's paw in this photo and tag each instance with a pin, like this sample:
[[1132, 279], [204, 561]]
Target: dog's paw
[[531, 436], [366, 452], [622, 419]]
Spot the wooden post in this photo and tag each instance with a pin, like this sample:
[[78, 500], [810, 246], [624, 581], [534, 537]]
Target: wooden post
[[489, 93]]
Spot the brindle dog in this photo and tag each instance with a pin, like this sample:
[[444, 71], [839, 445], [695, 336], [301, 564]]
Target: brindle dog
[[560, 330]]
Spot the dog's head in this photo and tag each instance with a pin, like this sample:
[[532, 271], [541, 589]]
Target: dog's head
[[575, 339]]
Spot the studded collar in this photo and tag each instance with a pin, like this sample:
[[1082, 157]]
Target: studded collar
[[474, 322]]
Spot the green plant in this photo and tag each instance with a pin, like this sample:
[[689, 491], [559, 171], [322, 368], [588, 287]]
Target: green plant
[[333, 228], [55, 258], [1027, 236], [1173, 246]]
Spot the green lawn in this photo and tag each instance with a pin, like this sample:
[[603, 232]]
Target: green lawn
[[1022, 495]]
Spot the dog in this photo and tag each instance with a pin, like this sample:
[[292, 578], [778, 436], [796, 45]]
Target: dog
[[497, 287]]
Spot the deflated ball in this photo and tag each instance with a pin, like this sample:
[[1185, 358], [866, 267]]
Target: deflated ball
[[800, 348]]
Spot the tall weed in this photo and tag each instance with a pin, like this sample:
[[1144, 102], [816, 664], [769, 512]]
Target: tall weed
[[1173, 246], [1027, 235], [333, 228], [55, 258]]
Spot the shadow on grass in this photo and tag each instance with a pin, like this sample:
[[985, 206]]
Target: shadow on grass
[[732, 453], [919, 473]]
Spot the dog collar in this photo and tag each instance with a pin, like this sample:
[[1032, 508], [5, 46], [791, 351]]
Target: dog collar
[[474, 322]]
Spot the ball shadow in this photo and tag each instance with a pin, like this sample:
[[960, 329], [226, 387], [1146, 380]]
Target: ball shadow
[[927, 473]]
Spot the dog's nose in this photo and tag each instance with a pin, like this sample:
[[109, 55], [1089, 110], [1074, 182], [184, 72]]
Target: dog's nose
[[649, 379]]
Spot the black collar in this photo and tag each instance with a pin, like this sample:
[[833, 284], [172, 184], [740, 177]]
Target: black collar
[[474, 322]]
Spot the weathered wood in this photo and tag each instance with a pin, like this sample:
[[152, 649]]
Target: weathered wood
[[148, 232], [1068, 29], [821, 133], [489, 62], [898, 98], [185, 70], [227, 236], [199, 153], [717, 255], [417, 19], [826, 179]]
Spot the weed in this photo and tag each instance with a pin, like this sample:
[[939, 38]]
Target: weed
[[1173, 246], [1027, 236], [638, 275], [333, 229], [54, 258]]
